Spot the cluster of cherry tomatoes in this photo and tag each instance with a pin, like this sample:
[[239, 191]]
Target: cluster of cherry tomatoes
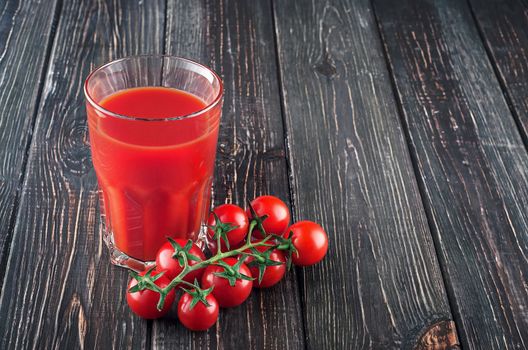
[[242, 263]]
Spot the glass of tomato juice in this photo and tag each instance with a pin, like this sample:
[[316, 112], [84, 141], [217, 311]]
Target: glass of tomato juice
[[153, 123]]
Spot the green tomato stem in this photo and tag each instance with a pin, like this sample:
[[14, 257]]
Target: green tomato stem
[[218, 243], [219, 256]]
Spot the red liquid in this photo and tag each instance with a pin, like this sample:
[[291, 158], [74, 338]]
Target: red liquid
[[155, 176]]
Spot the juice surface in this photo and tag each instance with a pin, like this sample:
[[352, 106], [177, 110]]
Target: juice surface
[[155, 176]]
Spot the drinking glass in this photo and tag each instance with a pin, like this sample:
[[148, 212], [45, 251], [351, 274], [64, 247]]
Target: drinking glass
[[154, 173]]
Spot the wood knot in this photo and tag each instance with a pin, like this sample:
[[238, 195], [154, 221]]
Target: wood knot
[[440, 336], [326, 68]]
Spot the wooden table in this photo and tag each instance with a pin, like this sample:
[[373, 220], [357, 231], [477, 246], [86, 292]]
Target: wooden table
[[401, 126]]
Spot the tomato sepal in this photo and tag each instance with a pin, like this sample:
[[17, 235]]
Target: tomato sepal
[[262, 260], [232, 273], [286, 244], [180, 253], [257, 221], [221, 229], [146, 281], [198, 295]]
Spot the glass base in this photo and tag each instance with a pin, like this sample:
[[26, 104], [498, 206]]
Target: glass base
[[119, 258]]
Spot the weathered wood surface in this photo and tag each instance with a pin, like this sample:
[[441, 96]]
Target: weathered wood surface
[[503, 26], [236, 39], [338, 104], [380, 286], [25, 32], [60, 291], [471, 162]]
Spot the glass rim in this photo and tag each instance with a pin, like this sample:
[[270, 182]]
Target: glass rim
[[98, 107]]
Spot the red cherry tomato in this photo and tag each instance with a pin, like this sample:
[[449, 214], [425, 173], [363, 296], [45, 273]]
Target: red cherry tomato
[[225, 294], [273, 274], [311, 242], [144, 303], [171, 266], [233, 215], [278, 214], [200, 317]]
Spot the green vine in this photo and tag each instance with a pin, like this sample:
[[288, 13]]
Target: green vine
[[261, 259]]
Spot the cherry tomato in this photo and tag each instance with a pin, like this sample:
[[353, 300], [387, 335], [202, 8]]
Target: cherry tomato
[[311, 242], [225, 294], [273, 274], [171, 266], [200, 317], [278, 214], [144, 303], [233, 215]]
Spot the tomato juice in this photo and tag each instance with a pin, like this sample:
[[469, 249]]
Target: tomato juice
[[153, 150]]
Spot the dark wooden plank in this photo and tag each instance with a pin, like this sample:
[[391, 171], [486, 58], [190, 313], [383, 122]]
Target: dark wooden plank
[[472, 165], [504, 28], [236, 39], [60, 290], [25, 31], [380, 286]]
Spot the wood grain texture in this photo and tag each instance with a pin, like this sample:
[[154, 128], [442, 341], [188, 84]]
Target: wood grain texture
[[380, 285], [236, 39], [472, 165], [504, 27], [60, 290], [25, 31]]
